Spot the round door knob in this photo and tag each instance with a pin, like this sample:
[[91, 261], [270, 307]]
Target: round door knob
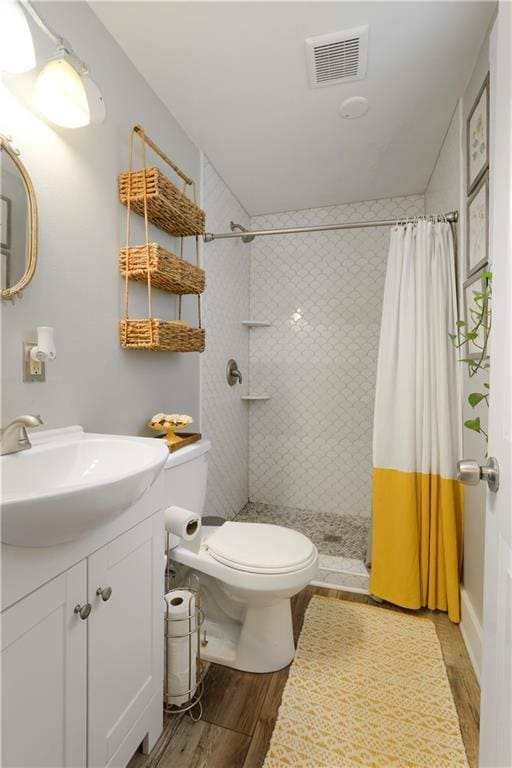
[[470, 472], [104, 593], [83, 610]]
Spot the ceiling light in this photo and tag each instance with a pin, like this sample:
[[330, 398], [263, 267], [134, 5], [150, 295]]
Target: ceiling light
[[16, 45], [59, 94], [357, 106]]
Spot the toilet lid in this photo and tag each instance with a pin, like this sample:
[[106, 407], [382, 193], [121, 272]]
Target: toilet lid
[[260, 548]]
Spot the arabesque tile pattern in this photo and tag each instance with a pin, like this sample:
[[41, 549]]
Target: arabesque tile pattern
[[311, 443], [225, 419]]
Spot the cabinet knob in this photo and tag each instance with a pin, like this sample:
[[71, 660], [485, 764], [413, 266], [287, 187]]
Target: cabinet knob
[[83, 610], [104, 593]]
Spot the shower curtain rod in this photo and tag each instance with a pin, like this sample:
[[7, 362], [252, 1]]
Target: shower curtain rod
[[247, 235]]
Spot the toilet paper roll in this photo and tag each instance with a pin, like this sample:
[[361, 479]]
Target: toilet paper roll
[[181, 649], [182, 522]]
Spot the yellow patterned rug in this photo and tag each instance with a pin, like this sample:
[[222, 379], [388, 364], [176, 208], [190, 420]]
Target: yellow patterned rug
[[368, 687]]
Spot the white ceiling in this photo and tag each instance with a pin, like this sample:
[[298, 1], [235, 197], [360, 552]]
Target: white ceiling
[[234, 75]]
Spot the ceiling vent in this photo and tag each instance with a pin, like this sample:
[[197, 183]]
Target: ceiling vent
[[339, 57]]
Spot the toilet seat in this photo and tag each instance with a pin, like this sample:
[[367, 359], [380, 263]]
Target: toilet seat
[[260, 548]]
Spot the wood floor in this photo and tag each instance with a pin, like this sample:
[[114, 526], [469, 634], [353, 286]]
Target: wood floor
[[240, 708]]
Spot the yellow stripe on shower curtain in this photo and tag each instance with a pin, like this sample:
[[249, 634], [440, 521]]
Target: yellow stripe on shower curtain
[[417, 510], [417, 540]]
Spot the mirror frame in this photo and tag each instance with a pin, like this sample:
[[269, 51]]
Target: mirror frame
[[13, 292]]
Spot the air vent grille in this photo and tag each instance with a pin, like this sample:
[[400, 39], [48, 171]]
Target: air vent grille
[[337, 60], [337, 57]]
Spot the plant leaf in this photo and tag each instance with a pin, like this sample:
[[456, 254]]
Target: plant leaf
[[473, 424], [474, 398]]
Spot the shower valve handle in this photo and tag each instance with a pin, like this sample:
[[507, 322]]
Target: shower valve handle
[[233, 373]]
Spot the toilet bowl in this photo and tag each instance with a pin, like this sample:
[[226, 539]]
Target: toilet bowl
[[247, 574]]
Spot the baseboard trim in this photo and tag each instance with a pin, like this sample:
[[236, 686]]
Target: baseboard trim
[[340, 587], [471, 631]]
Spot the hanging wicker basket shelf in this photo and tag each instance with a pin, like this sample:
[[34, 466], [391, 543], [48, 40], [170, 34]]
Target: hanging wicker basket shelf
[[161, 335], [168, 272], [167, 207], [149, 193]]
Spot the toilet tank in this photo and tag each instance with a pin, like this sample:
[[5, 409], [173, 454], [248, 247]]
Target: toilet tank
[[185, 475]]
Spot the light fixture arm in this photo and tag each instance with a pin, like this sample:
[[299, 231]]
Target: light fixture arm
[[60, 43]]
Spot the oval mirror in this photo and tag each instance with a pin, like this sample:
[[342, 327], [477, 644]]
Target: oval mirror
[[18, 223]]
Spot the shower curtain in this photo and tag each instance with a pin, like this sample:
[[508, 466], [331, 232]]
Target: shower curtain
[[417, 506]]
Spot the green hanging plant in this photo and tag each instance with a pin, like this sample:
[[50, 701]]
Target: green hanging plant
[[476, 330]]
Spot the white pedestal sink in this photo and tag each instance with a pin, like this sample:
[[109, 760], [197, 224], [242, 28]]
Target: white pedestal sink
[[70, 482]]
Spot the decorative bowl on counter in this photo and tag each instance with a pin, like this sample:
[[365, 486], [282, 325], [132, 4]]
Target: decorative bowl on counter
[[170, 423]]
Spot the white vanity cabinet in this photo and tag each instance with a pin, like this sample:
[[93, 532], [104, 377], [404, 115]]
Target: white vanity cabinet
[[125, 638], [44, 676], [86, 691]]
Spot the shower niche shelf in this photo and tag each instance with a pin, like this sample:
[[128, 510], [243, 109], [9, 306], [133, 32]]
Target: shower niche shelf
[[256, 324], [255, 397]]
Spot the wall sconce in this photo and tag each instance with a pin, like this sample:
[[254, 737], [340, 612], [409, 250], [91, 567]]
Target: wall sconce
[[16, 45], [59, 93], [64, 93]]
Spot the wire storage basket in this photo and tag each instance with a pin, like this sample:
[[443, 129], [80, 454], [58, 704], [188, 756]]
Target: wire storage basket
[[183, 691]]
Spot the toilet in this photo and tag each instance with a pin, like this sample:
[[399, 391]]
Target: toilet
[[247, 573]]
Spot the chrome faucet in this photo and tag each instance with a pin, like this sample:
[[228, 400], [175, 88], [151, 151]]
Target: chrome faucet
[[14, 438]]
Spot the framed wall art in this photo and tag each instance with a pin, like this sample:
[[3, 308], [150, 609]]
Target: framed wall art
[[477, 145], [477, 218], [474, 289], [5, 269], [5, 223]]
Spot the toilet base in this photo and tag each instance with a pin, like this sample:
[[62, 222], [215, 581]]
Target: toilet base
[[262, 642]]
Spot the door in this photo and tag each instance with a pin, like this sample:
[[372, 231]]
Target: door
[[125, 636], [496, 710], [44, 675]]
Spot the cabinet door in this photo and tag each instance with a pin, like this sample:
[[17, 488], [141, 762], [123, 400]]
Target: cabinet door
[[125, 637], [44, 676]]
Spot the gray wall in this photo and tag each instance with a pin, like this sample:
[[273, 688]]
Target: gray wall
[[77, 288], [446, 191]]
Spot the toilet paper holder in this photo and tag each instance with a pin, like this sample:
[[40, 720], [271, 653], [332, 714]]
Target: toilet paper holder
[[189, 624]]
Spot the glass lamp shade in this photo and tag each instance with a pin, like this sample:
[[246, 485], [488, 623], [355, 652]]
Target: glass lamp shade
[[60, 95], [16, 45]]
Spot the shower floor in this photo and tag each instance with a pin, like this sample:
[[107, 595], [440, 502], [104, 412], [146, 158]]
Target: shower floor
[[341, 540]]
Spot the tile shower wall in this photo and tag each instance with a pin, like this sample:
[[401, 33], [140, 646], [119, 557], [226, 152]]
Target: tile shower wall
[[225, 418], [311, 443]]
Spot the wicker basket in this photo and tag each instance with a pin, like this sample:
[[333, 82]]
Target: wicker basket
[[154, 265], [161, 335], [167, 270], [167, 207]]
